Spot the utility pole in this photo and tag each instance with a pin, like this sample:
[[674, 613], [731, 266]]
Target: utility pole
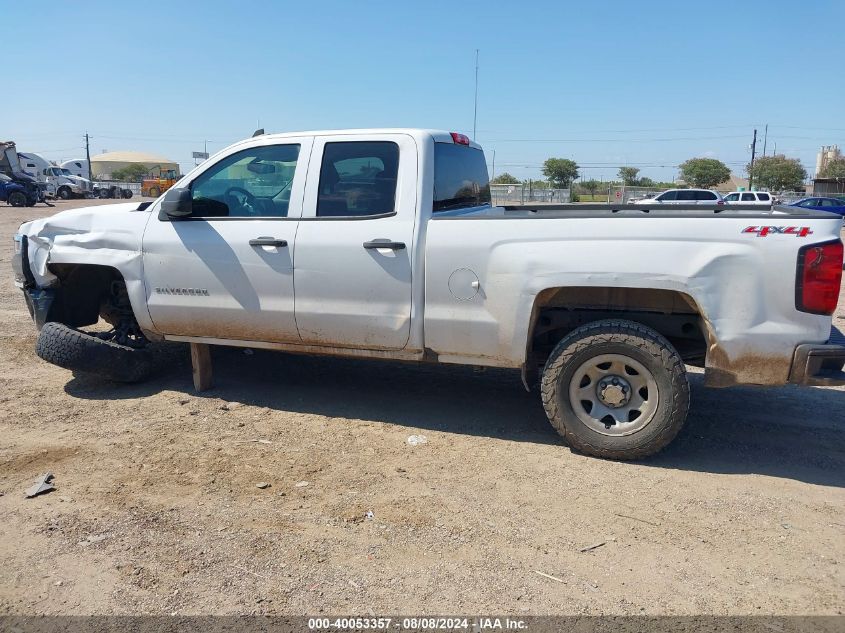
[[765, 138], [751, 166], [475, 107], [88, 156]]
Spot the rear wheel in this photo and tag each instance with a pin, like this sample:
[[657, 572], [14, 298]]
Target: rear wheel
[[17, 199], [616, 389]]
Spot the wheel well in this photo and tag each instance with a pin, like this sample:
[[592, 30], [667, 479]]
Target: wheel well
[[84, 293], [558, 311]]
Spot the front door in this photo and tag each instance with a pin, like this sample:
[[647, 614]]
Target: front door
[[227, 270], [354, 245]]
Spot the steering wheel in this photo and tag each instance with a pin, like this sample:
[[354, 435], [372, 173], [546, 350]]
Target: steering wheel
[[249, 203]]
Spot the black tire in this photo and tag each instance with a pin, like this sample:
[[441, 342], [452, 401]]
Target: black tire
[[64, 193], [155, 192], [127, 193], [103, 193], [627, 339], [79, 351], [17, 199]]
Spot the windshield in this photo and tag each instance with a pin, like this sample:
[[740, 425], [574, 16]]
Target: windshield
[[66, 172]]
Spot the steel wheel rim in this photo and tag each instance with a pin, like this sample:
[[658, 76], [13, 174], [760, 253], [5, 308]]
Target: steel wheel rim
[[613, 394]]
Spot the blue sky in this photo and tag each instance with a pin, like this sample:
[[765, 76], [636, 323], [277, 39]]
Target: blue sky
[[648, 84]]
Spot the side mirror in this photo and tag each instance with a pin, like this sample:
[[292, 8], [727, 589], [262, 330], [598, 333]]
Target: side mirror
[[177, 204]]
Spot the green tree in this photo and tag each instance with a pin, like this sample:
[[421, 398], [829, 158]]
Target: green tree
[[628, 175], [130, 173], [834, 169], [777, 173], [560, 171], [704, 172], [536, 184], [646, 182], [505, 179], [591, 185]]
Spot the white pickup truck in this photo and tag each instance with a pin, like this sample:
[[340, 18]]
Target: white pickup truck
[[384, 244]]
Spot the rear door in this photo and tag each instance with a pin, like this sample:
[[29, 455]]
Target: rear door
[[706, 197], [670, 197], [354, 245]]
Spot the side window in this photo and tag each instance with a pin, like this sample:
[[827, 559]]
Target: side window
[[826, 203], [358, 178], [810, 202], [254, 182], [748, 197], [668, 196], [732, 197], [687, 195], [707, 196], [764, 197]]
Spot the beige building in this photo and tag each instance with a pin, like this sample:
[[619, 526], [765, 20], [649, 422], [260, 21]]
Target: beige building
[[103, 165], [734, 183]]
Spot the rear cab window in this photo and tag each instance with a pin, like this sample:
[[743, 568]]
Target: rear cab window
[[461, 180]]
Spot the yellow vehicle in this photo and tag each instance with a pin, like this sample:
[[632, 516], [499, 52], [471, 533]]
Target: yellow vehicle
[[154, 186]]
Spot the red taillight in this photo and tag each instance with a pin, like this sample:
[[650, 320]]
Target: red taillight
[[460, 139], [819, 277]]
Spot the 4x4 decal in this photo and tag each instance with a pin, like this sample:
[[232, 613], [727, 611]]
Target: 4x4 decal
[[763, 231]]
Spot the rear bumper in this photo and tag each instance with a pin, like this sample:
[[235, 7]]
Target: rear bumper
[[820, 365]]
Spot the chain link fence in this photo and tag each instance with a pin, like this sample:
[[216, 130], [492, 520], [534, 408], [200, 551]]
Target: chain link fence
[[526, 194]]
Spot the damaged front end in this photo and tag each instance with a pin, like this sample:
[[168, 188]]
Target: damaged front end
[[75, 295], [38, 300]]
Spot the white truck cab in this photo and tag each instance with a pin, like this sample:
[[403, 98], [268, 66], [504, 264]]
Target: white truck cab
[[383, 243], [60, 182]]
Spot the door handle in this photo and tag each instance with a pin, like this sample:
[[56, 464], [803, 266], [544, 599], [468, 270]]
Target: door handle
[[394, 246], [267, 241]]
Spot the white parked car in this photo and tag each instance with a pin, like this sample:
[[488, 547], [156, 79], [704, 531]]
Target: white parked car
[[762, 198], [684, 196], [383, 244]]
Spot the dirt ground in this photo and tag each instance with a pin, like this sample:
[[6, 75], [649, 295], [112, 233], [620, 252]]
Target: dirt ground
[[157, 511]]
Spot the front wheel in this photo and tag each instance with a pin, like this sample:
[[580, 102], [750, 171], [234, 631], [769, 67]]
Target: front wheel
[[17, 199], [616, 389], [64, 193], [92, 353], [155, 192]]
